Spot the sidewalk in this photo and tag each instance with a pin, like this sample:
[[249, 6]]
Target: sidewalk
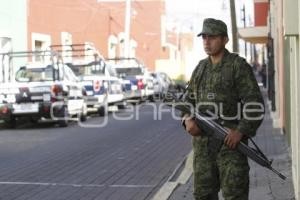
[[264, 185]]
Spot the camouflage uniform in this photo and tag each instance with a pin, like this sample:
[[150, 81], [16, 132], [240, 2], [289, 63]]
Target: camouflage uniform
[[227, 83]]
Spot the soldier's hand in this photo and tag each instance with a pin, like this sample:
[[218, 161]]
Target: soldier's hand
[[191, 127], [233, 138]]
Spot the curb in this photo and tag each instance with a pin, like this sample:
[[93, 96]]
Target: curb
[[185, 168]]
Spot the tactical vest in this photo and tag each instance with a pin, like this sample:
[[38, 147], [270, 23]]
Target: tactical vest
[[224, 87], [222, 90]]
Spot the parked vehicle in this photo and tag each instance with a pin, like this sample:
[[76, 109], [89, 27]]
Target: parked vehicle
[[102, 87], [116, 88], [45, 89], [137, 82], [161, 83], [149, 85]]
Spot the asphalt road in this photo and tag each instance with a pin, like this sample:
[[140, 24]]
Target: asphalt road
[[123, 160]]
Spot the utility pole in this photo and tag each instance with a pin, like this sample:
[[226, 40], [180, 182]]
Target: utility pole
[[127, 29], [244, 20], [235, 47], [126, 26]]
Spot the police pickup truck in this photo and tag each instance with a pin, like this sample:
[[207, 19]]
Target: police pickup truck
[[138, 83], [42, 90], [102, 87]]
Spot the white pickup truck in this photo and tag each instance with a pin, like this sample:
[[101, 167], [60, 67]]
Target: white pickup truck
[[42, 90], [102, 88]]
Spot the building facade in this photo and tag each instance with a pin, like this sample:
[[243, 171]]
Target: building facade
[[13, 31], [102, 22], [283, 53], [284, 34], [13, 25]]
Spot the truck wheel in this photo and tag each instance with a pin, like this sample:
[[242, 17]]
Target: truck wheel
[[11, 123], [102, 111], [151, 98], [122, 105], [34, 120], [63, 114], [83, 114]]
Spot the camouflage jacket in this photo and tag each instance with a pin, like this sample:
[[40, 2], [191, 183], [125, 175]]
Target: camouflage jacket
[[230, 91]]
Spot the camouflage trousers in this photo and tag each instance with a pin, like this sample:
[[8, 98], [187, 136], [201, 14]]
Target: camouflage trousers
[[218, 167]]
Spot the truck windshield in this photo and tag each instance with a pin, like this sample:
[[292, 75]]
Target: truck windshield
[[35, 74], [132, 71], [88, 69]]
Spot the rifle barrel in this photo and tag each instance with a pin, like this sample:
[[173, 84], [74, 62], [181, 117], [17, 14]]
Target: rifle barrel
[[278, 173]]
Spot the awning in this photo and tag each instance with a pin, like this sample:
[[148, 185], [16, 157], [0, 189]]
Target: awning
[[258, 34]]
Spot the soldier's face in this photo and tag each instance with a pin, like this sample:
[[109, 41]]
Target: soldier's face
[[214, 44]]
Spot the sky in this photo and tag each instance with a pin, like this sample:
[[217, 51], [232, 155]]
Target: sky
[[188, 16], [187, 11]]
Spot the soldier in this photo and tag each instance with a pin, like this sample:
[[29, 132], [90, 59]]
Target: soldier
[[223, 84]]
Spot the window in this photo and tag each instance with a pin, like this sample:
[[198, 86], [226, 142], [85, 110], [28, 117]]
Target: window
[[133, 45], [5, 70], [121, 38], [66, 39], [112, 46], [38, 47], [35, 74], [40, 42]]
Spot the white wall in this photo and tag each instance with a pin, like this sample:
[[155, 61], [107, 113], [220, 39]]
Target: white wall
[[13, 22], [13, 25]]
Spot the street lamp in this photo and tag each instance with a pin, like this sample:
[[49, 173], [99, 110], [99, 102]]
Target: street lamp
[[126, 26]]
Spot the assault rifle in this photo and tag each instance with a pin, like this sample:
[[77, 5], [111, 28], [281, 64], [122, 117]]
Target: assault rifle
[[219, 132]]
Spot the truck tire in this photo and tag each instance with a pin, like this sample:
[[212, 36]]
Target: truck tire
[[122, 104], [11, 123], [83, 114], [63, 114], [102, 111]]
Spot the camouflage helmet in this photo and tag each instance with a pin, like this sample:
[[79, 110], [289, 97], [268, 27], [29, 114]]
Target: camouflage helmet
[[213, 27]]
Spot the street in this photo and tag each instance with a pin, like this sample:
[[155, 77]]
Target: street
[[125, 159]]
